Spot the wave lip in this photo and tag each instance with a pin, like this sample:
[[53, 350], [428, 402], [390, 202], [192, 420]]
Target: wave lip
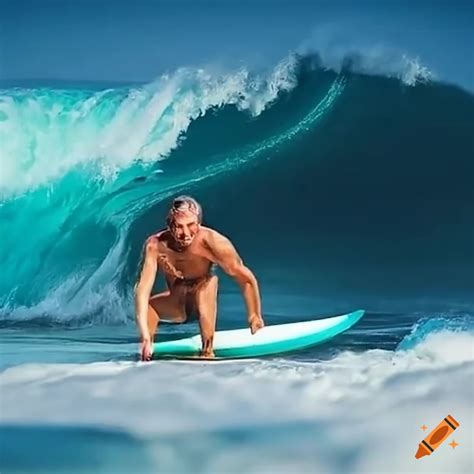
[[46, 133], [336, 51], [439, 325]]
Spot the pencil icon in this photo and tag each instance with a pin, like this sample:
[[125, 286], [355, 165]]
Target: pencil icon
[[436, 437]]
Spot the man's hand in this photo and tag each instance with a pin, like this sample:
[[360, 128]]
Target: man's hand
[[146, 349], [256, 323]]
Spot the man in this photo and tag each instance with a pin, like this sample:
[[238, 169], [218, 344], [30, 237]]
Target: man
[[186, 252]]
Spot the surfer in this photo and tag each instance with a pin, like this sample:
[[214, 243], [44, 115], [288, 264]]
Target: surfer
[[187, 253]]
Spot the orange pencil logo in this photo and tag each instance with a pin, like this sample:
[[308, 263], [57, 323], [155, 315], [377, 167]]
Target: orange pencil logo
[[436, 437]]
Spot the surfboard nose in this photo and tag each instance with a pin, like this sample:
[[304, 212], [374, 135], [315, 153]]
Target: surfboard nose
[[356, 315]]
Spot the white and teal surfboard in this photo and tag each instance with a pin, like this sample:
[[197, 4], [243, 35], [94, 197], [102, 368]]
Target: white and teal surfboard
[[275, 339]]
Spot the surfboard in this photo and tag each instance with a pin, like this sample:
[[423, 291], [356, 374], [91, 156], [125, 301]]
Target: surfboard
[[272, 339]]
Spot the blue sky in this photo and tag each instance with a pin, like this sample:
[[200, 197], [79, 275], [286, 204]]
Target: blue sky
[[137, 40]]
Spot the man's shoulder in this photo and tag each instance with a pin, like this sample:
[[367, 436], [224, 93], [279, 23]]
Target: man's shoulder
[[155, 241], [212, 237], [208, 231]]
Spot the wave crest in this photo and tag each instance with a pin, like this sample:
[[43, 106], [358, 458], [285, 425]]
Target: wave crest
[[46, 133]]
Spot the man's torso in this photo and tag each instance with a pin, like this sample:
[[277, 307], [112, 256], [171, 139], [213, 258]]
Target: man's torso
[[194, 262]]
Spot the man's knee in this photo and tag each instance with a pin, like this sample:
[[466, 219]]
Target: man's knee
[[158, 311], [180, 319], [152, 313]]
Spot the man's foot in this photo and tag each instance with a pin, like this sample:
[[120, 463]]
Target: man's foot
[[256, 323], [208, 354]]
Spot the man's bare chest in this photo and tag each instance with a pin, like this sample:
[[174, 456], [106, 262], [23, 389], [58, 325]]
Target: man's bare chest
[[185, 259], [190, 262]]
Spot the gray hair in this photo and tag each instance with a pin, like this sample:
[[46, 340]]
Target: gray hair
[[184, 203]]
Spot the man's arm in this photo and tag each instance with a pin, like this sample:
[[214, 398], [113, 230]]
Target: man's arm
[[145, 284], [227, 257]]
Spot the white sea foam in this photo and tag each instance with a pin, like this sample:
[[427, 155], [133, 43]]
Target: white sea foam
[[45, 134], [338, 50], [363, 408]]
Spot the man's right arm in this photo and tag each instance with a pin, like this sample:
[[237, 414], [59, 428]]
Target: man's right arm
[[145, 284]]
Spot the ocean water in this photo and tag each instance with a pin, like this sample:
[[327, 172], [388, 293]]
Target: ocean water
[[340, 189]]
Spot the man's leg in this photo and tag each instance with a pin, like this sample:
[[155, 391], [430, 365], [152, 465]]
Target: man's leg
[[164, 306], [206, 305]]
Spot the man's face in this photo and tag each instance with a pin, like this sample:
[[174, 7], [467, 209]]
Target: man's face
[[184, 228]]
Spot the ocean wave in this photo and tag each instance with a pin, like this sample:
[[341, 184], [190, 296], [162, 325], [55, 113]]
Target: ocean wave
[[99, 166], [83, 200], [439, 324], [46, 133], [336, 51]]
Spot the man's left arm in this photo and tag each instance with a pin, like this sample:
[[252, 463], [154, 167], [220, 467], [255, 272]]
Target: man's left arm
[[227, 257]]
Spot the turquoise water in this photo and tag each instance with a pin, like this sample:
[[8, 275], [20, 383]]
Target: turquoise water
[[340, 191]]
